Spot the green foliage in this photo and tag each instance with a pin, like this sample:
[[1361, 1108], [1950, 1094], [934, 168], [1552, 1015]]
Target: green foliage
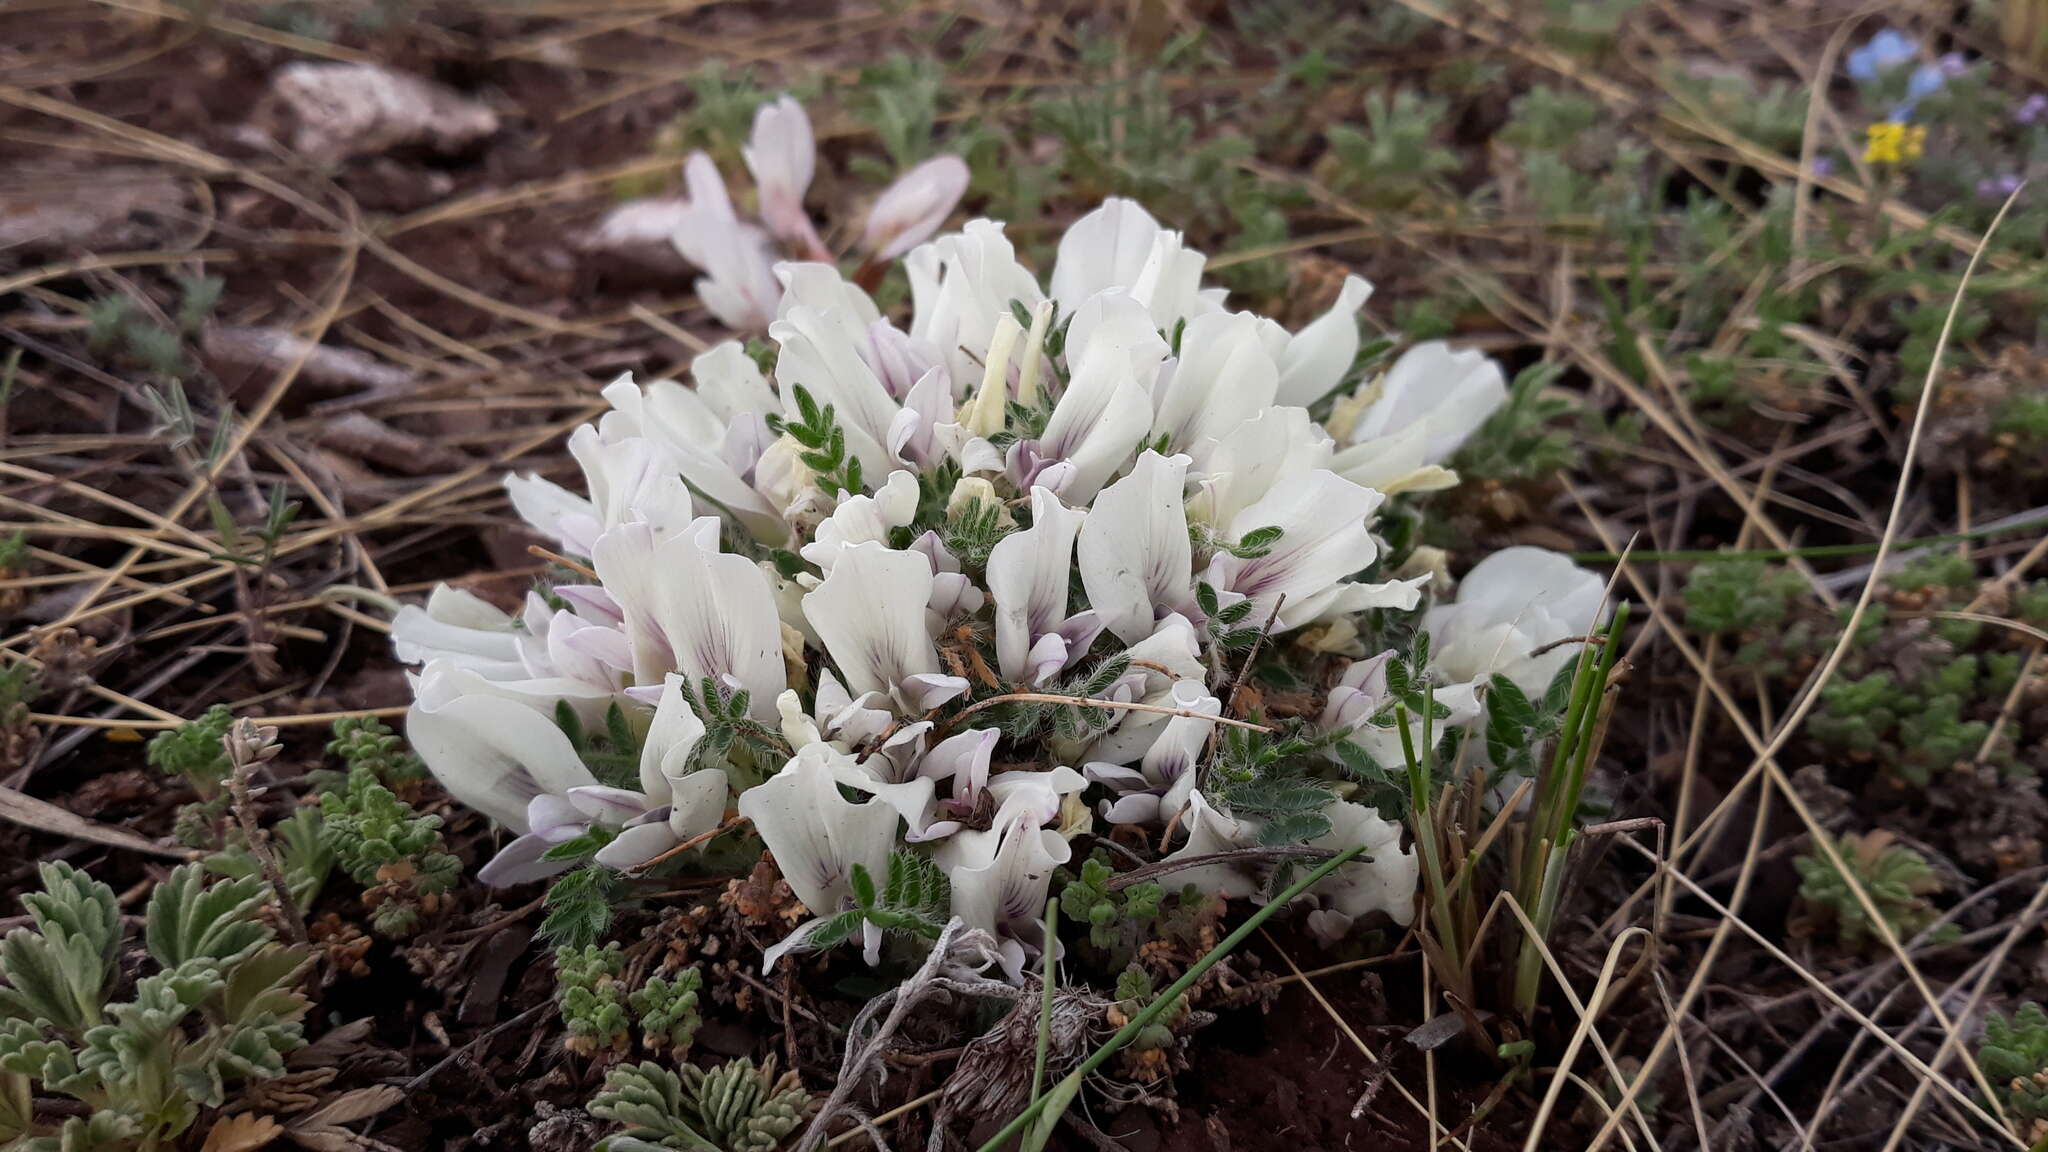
[[912, 903], [1396, 158], [300, 845], [613, 756], [1231, 628], [1755, 607], [2014, 1053], [1023, 720], [1118, 922], [732, 738], [197, 298], [591, 997], [817, 430], [731, 1108], [899, 99], [365, 741], [1267, 778], [973, 531], [194, 751], [388, 847], [221, 1010], [1519, 730], [666, 1010], [60, 970], [1740, 595], [579, 906], [1134, 990], [1522, 440], [1897, 879]]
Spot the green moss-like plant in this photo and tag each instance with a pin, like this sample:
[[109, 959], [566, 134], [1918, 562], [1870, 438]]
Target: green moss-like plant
[[221, 1009], [1897, 879], [732, 1108]]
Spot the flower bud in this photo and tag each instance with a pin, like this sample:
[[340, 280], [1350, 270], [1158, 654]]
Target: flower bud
[[911, 209]]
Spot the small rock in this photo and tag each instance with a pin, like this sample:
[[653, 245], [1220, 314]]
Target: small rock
[[106, 211], [237, 354], [343, 110]]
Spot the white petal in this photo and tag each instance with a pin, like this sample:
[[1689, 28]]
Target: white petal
[[637, 845], [781, 156], [870, 614], [1449, 393], [1247, 461], [519, 862], [456, 625], [820, 353], [1319, 355], [815, 834], [1134, 553], [911, 209], [494, 755], [695, 611], [1224, 377], [671, 738], [1324, 538], [1027, 578]]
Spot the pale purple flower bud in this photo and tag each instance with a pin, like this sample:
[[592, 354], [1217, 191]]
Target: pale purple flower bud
[[782, 155], [911, 209], [2032, 109]]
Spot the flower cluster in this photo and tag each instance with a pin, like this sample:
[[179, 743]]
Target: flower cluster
[[975, 587], [738, 256]]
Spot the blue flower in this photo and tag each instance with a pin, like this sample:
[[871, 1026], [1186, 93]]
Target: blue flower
[[1926, 80], [1885, 51]]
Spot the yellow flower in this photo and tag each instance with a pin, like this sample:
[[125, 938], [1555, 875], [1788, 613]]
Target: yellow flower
[[1891, 142]]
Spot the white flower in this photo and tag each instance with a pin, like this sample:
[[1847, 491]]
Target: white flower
[[703, 443], [1383, 879], [782, 155], [680, 804], [739, 280], [491, 753], [692, 609], [1000, 877], [1324, 538], [1223, 377], [1138, 433], [1402, 427], [1120, 245], [961, 287], [1135, 557], [461, 628], [817, 836], [1316, 358], [870, 614], [1028, 575], [556, 819], [864, 519], [1511, 604], [1158, 789], [1101, 416], [1251, 458], [910, 210]]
